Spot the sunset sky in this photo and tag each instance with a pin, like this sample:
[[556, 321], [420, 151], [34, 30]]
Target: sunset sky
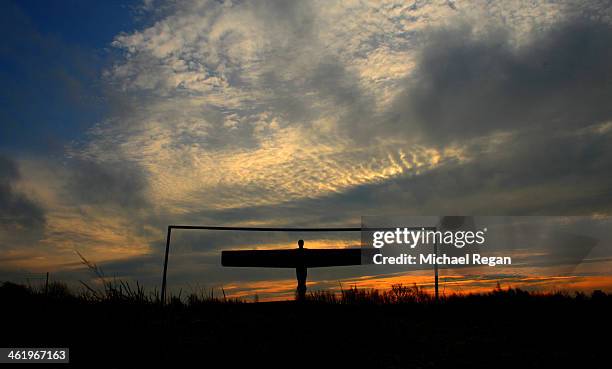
[[119, 118]]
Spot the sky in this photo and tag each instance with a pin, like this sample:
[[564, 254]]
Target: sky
[[118, 118]]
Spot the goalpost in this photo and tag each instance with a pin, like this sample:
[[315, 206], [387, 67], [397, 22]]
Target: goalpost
[[266, 229], [242, 229]]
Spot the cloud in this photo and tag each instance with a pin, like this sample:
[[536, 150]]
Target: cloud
[[236, 105], [471, 84], [122, 184], [20, 216], [266, 113]]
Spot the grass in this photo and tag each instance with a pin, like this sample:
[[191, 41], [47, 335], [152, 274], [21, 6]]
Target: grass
[[121, 324], [114, 291]]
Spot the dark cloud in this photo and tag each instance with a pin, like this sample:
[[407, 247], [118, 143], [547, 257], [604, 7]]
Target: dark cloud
[[533, 173], [115, 183], [469, 84], [18, 213], [287, 18], [325, 86]]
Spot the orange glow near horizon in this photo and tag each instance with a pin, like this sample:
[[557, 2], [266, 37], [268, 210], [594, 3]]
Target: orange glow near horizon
[[276, 290]]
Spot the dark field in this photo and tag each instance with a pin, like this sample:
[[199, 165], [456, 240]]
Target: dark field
[[402, 328]]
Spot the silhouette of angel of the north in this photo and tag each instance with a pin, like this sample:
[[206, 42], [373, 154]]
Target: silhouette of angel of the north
[[301, 259]]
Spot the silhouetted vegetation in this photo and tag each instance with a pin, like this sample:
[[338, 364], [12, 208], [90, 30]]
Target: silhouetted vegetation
[[116, 291], [118, 324]]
